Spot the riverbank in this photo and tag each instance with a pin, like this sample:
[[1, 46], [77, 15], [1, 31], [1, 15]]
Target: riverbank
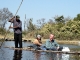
[[72, 42]]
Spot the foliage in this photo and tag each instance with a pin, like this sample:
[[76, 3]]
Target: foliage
[[30, 26], [5, 15], [63, 28], [59, 19], [77, 18], [2, 31]]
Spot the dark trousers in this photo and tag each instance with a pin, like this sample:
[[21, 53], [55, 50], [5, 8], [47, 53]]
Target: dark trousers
[[18, 40]]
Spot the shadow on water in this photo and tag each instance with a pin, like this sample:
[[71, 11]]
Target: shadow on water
[[17, 55], [8, 54]]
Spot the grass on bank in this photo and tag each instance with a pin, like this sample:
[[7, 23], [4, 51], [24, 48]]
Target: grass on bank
[[25, 37]]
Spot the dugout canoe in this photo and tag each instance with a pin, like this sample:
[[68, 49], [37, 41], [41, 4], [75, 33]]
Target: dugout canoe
[[31, 49]]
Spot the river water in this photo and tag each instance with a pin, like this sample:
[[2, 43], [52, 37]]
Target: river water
[[8, 54]]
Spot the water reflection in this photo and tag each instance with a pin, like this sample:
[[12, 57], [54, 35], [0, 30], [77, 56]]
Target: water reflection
[[75, 57], [65, 56], [17, 55], [57, 56], [8, 54], [37, 55], [52, 56]]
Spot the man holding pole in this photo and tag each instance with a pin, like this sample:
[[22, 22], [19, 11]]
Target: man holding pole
[[17, 27]]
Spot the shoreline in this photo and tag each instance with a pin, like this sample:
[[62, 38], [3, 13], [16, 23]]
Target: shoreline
[[73, 42]]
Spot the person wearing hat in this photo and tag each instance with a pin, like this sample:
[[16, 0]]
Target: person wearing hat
[[17, 27], [51, 44], [37, 41]]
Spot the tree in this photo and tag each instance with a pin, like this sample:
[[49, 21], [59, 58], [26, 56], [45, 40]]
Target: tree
[[5, 15], [39, 26], [77, 18], [59, 19], [50, 21], [40, 23], [30, 25]]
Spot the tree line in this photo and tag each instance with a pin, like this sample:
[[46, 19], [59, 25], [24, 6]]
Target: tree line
[[64, 28]]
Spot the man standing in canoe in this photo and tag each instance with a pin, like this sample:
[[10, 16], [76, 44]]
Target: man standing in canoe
[[51, 44], [17, 27]]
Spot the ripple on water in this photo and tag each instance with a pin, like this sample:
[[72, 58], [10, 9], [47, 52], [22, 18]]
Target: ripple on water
[[8, 54]]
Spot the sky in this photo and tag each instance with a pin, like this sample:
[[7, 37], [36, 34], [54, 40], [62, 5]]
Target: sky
[[38, 9]]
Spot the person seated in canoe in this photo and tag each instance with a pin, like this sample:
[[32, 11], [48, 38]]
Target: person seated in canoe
[[51, 44], [37, 42]]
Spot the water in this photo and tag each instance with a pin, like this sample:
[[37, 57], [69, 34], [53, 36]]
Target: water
[[8, 54]]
